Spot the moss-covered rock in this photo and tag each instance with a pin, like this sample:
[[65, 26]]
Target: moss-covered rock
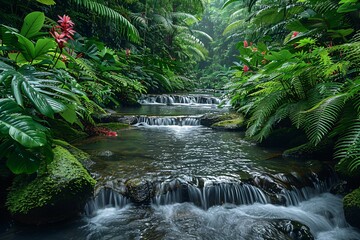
[[352, 208], [211, 118], [58, 192], [236, 124], [323, 151], [83, 157], [114, 126]]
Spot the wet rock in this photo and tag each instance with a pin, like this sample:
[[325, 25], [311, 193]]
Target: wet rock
[[236, 124], [211, 118], [59, 191], [114, 118], [284, 138], [140, 191], [106, 153], [352, 208], [295, 230], [323, 151]]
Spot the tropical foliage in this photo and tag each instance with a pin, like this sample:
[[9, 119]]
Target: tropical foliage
[[107, 53], [302, 73]]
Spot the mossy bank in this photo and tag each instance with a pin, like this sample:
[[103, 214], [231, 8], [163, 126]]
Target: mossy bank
[[58, 192]]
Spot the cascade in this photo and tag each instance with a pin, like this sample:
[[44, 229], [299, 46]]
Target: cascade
[[179, 99], [105, 198], [167, 121], [208, 192]]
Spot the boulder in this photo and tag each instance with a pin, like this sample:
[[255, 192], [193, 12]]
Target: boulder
[[58, 192], [323, 151], [236, 124], [140, 191], [352, 208], [211, 118]]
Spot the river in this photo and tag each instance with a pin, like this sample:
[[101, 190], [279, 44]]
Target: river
[[206, 184]]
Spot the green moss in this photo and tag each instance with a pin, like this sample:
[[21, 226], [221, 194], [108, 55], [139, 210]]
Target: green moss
[[63, 179], [83, 157], [352, 199], [237, 122], [320, 151], [352, 207], [114, 126]]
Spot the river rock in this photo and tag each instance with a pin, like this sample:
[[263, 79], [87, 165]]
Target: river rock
[[58, 192], [236, 124], [114, 118], [352, 208], [211, 118], [140, 191]]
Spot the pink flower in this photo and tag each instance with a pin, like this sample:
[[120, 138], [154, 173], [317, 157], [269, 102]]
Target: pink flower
[[245, 44], [64, 31], [246, 68], [294, 34]]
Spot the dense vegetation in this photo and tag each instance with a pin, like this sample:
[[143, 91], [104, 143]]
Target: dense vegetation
[[299, 68], [70, 66]]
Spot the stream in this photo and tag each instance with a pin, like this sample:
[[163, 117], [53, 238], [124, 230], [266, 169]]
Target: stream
[[200, 184]]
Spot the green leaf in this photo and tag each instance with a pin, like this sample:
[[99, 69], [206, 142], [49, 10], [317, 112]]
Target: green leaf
[[21, 128], [296, 25], [27, 47], [22, 162], [47, 2], [33, 23], [70, 114], [43, 46], [37, 99]]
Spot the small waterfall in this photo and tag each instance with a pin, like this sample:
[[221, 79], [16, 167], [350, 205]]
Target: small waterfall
[[295, 195], [167, 121], [206, 193], [179, 99], [105, 198]]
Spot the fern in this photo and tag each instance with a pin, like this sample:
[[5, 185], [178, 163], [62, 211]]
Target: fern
[[321, 118], [125, 27]]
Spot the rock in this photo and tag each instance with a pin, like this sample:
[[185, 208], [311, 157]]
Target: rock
[[236, 124], [284, 138], [105, 153], [83, 157], [295, 230], [211, 118], [323, 151], [352, 208], [114, 118], [58, 192], [114, 126], [140, 191]]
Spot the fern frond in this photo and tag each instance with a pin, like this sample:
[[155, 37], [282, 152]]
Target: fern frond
[[124, 26], [322, 117]]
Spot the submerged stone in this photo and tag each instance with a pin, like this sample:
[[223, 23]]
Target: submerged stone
[[58, 192], [352, 208]]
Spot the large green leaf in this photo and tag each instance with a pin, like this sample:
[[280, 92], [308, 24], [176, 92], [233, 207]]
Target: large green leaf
[[47, 2], [19, 127], [43, 46], [33, 23], [22, 161], [27, 47]]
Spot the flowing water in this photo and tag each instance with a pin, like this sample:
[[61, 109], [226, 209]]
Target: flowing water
[[201, 184]]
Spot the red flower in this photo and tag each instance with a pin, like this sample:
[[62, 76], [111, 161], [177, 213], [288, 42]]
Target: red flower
[[246, 68], [64, 31], [294, 34], [245, 44]]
